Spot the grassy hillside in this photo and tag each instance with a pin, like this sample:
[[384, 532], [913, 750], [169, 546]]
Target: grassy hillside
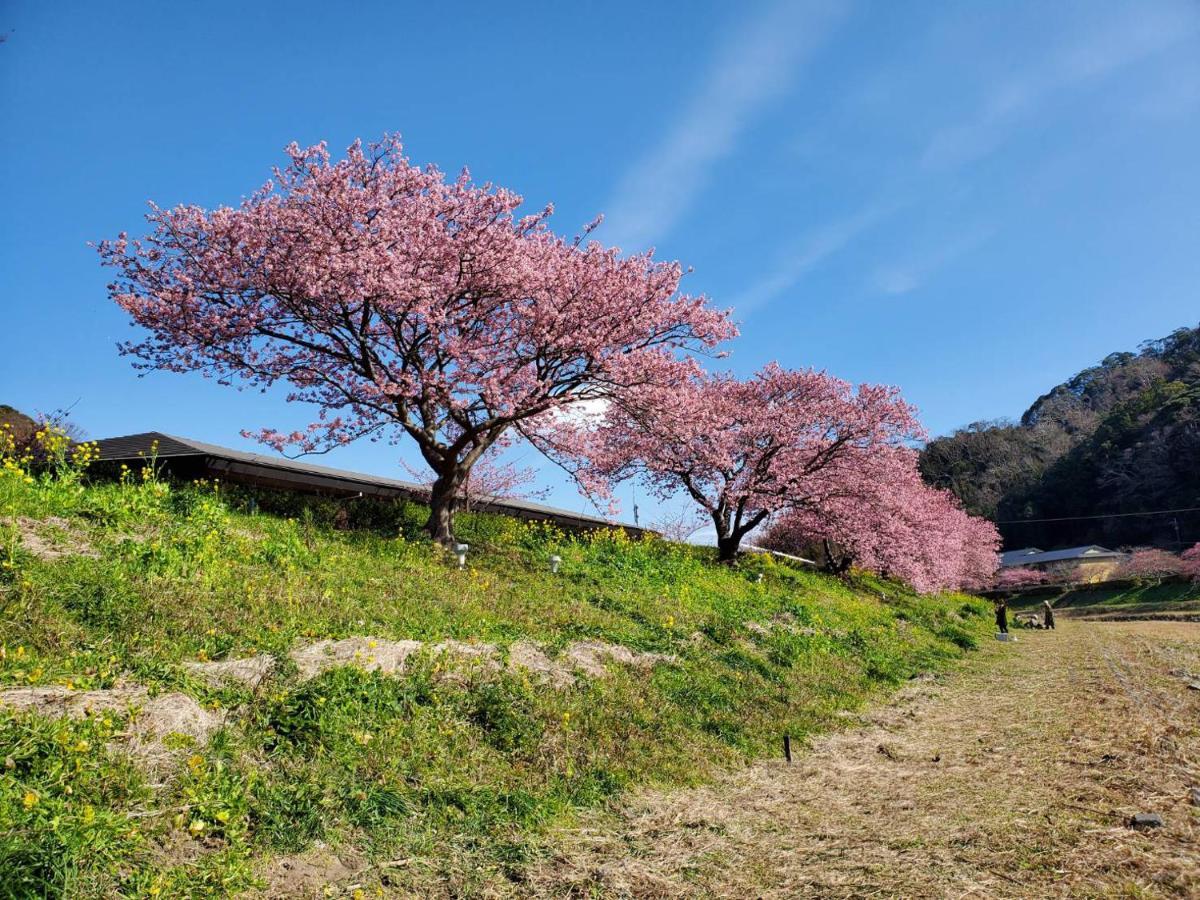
[[436, 779]]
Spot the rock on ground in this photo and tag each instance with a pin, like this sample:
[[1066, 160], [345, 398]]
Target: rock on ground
[[525, 656], [590, 657], [249, 671], [153, 719], [310, 873], [391, 657], [370, 654], [52, 538]]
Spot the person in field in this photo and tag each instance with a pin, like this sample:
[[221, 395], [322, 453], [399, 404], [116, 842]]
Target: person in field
[[1047, 615], [1002, 615]]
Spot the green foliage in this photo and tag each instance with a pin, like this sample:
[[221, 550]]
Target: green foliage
[[460, 767], [1122, 436], [67, 808]]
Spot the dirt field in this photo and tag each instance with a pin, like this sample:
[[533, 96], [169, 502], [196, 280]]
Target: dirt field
[[1014, 777]]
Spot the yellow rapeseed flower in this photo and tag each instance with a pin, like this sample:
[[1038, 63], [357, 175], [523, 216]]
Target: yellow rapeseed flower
[[30, 800]]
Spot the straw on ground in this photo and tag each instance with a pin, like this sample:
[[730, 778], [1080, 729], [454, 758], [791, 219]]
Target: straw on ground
[[1015, 777]]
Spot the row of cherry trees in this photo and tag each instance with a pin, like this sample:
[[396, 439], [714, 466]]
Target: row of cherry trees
[[402, 303], [887, 520], [1145, 564]]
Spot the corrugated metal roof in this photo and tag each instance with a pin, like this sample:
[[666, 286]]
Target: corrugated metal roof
[[1015, 557], [1090, 551], [137, 447]]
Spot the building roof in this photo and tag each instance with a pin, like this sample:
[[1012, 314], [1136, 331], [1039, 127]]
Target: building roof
[[278, 471], [1031, 556], [1017, 557]]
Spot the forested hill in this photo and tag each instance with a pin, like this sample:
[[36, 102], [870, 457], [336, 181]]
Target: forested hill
[[1120, 437]]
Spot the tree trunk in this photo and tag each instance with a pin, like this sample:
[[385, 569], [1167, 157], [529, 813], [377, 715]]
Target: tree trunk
[[443, 498], [727, 548], [835, 564]]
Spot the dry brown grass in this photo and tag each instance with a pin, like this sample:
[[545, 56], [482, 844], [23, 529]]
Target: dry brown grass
[[1014, 777]]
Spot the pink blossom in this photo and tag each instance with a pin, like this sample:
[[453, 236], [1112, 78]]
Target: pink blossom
[[1150, 564], [741, 450], [882, 517], [402, 303], [1190, 562]]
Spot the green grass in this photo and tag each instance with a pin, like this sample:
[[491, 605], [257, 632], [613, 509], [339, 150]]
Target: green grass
[[459, 775], [1171, 597]]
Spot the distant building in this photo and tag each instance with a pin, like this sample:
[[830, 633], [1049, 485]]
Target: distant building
[[187, 459], [1088, 563]]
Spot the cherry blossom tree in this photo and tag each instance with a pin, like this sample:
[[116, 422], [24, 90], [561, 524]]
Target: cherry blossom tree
[[883, 518], [490, 478], [1150, 564], [739, 449], [402, 303], [1190, 562], [679, 524]]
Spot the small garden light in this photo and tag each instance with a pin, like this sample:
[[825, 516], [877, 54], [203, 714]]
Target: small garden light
[[555, 562], [461, 551]]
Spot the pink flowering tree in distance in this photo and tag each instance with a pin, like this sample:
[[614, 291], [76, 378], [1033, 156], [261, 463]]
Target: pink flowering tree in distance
[[398, 302], [883, 518], [1019, 577], [741, 450], [1189, 562], [1151, 564]]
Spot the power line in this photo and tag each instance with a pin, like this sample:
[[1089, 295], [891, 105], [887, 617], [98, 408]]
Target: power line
[[1154, 512]]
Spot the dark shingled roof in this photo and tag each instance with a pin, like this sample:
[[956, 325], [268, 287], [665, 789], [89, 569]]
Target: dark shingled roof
[[290, 474]]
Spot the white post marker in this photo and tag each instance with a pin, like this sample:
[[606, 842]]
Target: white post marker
[[555, 562], [461, 551]]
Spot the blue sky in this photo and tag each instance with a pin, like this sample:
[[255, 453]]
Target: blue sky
[[971, 201]]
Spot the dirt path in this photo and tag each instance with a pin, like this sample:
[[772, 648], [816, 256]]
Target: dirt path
[[1014, 777]]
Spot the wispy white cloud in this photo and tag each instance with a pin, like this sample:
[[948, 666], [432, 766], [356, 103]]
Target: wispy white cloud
[[908, 275], [1143, 30], [807, 253], [756, 65]]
